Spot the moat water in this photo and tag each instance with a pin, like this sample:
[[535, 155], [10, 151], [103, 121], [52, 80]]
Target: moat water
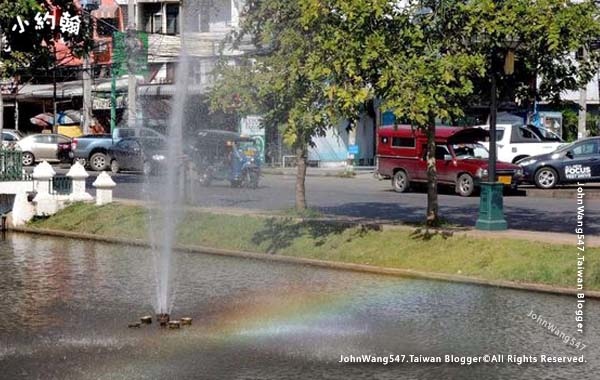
[[66, 304]]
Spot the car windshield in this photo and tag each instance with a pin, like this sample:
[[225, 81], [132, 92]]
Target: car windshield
[[544, 134], [565, 147], [466, 151]]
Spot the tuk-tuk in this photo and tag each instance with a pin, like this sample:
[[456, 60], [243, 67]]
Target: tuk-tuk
[[227, 156]]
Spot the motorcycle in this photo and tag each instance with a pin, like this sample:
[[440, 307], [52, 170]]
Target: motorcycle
[[227, 156]]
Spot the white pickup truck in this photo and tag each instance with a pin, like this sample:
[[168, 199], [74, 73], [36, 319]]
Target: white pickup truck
[[517, 141]]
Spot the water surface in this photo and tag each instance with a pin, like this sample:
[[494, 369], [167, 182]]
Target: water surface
[[66, 305]]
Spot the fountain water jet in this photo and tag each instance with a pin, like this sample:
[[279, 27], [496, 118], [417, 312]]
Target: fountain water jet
[[171, 201]]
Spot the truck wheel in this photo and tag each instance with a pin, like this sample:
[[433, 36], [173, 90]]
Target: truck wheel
[[98, 161], [28, 159], [545, 178], [205, 180], [465, 185], [400, 181]]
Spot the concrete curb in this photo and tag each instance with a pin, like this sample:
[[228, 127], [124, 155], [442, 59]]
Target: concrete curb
[[320, 173], [361, 268], [590, 194]]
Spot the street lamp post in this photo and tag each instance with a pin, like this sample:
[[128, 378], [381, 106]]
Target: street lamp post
[[491, 203], [131, 81]]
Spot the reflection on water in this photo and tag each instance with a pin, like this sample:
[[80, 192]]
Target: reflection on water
[[66, 305]]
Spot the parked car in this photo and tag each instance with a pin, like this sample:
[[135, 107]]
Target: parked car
[[517, 141], [92, 150], [10, 137], [134, 154], [575, 162], [41, 147], [227, 156], [64, 152], [460, 160]]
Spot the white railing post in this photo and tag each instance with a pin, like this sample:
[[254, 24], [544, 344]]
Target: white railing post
[[78, 175], [42, 183], [104, 188]]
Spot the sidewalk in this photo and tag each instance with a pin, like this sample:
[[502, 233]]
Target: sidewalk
[[535, 236]]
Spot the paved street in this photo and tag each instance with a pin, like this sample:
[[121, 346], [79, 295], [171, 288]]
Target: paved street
[[367, 197]]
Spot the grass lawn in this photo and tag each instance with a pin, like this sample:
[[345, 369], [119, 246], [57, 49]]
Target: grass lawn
[[493, 259]]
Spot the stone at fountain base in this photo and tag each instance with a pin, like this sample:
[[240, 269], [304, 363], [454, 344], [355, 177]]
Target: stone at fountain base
[[186, 321], [147, 320], [163, 319]]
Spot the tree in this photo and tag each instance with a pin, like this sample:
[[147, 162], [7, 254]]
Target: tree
[[417, 64], [29, 45], [424, 59], [274, 81], [544, 37]]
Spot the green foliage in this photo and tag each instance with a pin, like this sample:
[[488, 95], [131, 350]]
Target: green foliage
[[545, 35], [274, 81]]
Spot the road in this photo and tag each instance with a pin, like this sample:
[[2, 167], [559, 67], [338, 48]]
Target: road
[[368, 198]]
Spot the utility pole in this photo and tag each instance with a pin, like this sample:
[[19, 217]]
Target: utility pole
[[87, 78], [1, 100], [581, 121], [131, 83], [87, 95], [55, 113]]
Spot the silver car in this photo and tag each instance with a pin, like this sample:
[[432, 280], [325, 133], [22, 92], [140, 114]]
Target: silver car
[[40, 147], [10, 137]]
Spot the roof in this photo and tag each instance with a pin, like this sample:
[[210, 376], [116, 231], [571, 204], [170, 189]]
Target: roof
[[442, 133], [66, 90]]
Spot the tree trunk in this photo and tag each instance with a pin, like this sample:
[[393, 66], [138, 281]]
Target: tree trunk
[[432, 194], [301, 153]]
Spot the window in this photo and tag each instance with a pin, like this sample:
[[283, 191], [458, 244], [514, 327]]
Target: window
[[403, 142], [44, 139], [441, 152], [149, 133], [499, 134], [524, 135], [152, 18], [585, 149], [172, 19], [467, 151], [8, 137]]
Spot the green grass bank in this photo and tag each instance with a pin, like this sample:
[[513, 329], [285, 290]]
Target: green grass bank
[[486, 258]]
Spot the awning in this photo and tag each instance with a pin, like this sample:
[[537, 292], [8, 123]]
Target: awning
[[106, 11]]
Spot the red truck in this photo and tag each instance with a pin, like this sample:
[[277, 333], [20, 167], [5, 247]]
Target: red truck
[[460, 160]]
